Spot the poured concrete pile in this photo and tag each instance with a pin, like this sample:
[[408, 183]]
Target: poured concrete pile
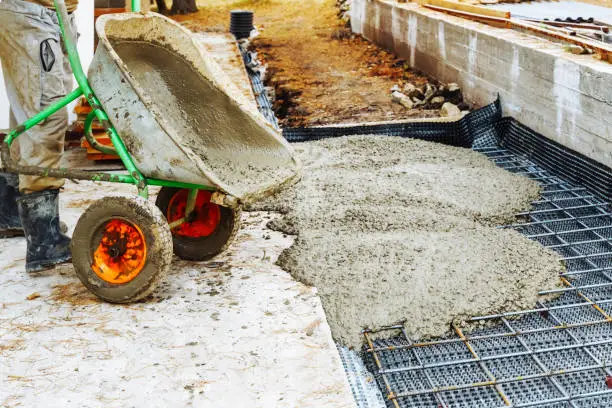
[[393, 229]]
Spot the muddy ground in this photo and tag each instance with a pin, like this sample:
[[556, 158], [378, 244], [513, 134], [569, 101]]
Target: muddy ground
[[321, 73], [393, 229]]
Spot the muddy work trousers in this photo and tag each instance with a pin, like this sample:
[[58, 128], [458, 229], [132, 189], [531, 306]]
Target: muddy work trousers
[[36, 75]]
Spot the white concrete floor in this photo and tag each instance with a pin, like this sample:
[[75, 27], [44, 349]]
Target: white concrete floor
[[236, 332]]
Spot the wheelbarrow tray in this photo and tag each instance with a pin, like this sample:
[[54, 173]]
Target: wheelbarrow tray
[[179, 115]]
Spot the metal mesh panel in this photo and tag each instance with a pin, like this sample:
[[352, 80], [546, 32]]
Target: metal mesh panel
[[555, 355], [481, 122]]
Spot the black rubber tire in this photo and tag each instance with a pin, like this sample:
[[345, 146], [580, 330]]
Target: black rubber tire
[[158, 240], [204, 248]]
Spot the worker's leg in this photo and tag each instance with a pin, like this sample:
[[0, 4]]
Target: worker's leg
[[10, 224], [34, 74], [33, 63]]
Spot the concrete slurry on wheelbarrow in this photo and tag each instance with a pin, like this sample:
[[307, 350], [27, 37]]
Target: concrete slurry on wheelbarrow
[[231, 148], [393, 229]]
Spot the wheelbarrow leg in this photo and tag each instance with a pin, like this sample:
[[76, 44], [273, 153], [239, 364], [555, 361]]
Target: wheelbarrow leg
[[191, 203], [200, 227]]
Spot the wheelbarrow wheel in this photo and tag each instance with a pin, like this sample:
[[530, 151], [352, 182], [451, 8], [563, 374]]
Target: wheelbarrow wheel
[[121, 248], [210, 230]]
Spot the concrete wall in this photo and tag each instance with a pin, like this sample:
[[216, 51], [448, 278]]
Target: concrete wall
[[565, 97], [84, 18]]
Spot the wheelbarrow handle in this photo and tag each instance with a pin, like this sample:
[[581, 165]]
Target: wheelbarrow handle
[[136, 6], [70, 43]]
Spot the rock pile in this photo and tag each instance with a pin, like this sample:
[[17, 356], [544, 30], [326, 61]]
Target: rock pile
[[447, 98]]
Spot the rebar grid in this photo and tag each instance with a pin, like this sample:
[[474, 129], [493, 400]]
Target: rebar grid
[[552, 356]]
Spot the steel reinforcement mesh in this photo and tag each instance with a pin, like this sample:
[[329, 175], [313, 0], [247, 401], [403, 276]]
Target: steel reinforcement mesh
[[555, 355]]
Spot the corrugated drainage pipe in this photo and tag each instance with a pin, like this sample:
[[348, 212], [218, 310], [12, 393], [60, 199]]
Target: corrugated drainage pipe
[[241, 23]]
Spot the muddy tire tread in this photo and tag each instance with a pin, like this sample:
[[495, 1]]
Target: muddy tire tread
[[158, 227]]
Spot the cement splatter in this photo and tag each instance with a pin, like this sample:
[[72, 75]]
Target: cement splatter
[[393, 229]]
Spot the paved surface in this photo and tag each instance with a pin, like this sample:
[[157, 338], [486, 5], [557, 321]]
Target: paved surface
[[237, 332]]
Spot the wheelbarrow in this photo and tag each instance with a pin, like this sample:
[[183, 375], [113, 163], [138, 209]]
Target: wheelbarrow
[[176, 121]]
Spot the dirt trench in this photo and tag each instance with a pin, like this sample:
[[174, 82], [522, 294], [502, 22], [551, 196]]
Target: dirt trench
[[321, 73]]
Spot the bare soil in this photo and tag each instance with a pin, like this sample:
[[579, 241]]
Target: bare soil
[[322, 73]]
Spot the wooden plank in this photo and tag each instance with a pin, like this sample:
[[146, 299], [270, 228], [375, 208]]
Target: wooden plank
[[103, 139], [603, 51], [585, 26], [101, 11], [77, 159], [490, 20], [101, 157], [468, 8]]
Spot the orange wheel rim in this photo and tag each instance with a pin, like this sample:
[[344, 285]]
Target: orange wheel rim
[[202, 222], [121, 252]]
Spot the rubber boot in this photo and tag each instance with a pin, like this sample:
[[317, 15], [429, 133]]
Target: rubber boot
[[46, 245], [10, 224]]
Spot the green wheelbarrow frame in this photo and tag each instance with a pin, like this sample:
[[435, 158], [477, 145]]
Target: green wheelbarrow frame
[[118, 148]]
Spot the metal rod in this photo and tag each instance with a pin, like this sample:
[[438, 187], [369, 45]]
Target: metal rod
[[430, 382], [585, 271], [178, 184], [483, 367], [498, 382], [529, 224], [577, 207], [506, 334], [191, 201], [92, 140], [571, 244], [390, 394], [177, 223], [573, 231], [536, 359], [494, 357], [81, 78], [574, 288], [40, 116]]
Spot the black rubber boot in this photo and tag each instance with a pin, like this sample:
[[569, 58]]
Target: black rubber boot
[[10, 224], [47, 246]]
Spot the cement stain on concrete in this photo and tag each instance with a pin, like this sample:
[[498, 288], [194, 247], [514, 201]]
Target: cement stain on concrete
[[393, 229], [167, 351]]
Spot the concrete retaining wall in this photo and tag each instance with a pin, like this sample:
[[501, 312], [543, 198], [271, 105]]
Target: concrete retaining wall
[[565, 97]]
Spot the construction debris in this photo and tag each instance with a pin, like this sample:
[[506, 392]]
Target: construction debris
[[344, 10], [427, 96], [393, 229], [449, 110], [402, 99]]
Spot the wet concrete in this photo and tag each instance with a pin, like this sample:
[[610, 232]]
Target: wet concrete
[[393, 229], [205, 118]]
